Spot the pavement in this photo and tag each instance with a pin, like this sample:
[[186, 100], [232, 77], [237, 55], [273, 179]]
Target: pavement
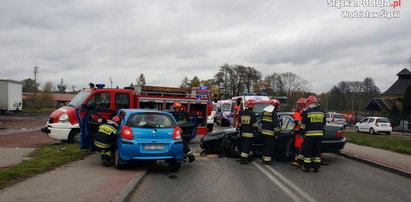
[[88, 180]]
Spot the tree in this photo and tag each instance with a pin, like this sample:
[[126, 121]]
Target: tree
[[29, 85], [185, 83], [141, 80], [195, 82], [61, 88]]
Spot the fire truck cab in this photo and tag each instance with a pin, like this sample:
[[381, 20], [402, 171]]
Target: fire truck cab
[[63, 123]]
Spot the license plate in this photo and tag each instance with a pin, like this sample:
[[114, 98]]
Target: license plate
[[154, 147], [385, 125]]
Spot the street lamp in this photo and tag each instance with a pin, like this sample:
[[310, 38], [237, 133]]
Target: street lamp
[[36, 69]]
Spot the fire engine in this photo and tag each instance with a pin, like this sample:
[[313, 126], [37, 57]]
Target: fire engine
[[63, 123]]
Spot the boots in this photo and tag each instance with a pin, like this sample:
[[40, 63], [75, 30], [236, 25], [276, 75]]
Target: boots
[[191, 157], [305, 169], [244, 160]]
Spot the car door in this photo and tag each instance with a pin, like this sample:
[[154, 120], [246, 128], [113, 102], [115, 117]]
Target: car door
[[363, 124], [188, 122], [370, 124]]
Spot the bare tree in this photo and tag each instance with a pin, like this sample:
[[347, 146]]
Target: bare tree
[[141, 80]]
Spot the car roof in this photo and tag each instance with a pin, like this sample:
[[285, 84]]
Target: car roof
[[143, 111], [376, 117]]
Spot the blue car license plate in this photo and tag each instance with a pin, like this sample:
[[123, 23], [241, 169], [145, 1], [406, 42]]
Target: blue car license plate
[[154, 147]]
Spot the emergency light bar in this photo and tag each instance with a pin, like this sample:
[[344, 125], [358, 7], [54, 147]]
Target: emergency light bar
[[100, 85], [203, 88], [251, 94]]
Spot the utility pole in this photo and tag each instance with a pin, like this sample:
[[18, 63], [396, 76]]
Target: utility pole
[[111, 83], [36, 69]]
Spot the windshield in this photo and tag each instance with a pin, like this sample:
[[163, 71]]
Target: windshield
[[79, 99], [383, 121], [150, 120], [339, 116], [259, 107], [225, 107]]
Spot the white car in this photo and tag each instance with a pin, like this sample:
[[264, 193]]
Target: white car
[[374, 125]]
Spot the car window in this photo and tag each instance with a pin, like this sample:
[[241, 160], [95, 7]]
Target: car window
[[122, 100], [259, 107], [99, 101], [371, 120], [383, 120], [286, 122], [364, 120], [150, 120]]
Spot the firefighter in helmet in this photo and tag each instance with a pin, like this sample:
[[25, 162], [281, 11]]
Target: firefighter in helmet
[[312, 127], [247, 123], [298, 139], [270, 129], [177, 107], [187, 151], [105, 138]]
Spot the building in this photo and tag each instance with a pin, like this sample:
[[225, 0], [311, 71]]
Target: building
[[58, 98], [393, 95]]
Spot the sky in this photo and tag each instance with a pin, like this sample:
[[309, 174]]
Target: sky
[[95, 40]]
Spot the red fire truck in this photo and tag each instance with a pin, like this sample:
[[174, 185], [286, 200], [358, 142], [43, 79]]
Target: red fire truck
[[63, 124]]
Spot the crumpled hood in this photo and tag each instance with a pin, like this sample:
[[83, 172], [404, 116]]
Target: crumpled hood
[[269, 108]]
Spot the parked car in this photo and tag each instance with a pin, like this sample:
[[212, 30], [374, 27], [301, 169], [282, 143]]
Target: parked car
[[336, 118], [145, 135], [374, 125], [223, 112], [230, 141]]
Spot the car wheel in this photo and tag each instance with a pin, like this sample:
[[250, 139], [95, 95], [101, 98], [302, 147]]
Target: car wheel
[[235, 149], [372, 131], [118, 163], [74, 136], [357, 130], [388, 133], [174, 165]]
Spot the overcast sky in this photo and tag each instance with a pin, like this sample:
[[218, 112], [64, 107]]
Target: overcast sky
[[91, 41]]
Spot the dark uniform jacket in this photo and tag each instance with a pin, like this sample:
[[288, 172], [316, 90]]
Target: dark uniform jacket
[[247, 120], [313, 122], [105, 136], [270, 124]]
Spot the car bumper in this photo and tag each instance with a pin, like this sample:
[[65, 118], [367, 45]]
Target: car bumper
[[58, 131], [332, 146], [377, 130], [132, 150]]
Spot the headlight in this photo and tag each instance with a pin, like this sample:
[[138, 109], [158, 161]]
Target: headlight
[[63, 118]]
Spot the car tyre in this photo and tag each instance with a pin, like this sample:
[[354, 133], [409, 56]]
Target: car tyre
[[118, 163], [357, 130], [372, 132], [235, 149], [74, 136], [174, 165]]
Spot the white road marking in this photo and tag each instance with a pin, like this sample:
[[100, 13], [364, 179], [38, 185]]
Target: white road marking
[[284, 179], [278, 183]]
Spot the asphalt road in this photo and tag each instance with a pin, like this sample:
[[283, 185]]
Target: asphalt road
[[211, 178]]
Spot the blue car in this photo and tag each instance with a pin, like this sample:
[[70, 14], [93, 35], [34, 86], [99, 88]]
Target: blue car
[[142, 134], [148, 135]]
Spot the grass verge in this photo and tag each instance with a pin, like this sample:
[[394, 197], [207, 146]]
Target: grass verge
[[392, 143], [44, 159]]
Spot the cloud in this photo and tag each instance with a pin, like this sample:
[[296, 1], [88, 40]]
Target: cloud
[[91, 41]]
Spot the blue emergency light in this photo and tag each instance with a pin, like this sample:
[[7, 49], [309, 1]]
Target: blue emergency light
[[100, 85], [203, 88]]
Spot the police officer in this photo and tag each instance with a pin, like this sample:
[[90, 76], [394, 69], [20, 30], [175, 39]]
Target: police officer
[[187, 151], [270, 129], [298, 139], [247, 123], [105, 138], [312, 127]]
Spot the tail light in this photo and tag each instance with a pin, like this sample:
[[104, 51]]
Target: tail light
[[376, 124], [177, 133], [127, 133], [390, 125], [339, 134]]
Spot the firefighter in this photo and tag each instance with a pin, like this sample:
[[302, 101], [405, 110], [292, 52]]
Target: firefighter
[[177, 107], [105, 138], [270, 129], [187, 151], [247, 123], [238, 110], [312, 127], [298, 139]]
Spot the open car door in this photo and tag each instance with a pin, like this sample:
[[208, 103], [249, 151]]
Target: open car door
[[188, 123], [89, 121]]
